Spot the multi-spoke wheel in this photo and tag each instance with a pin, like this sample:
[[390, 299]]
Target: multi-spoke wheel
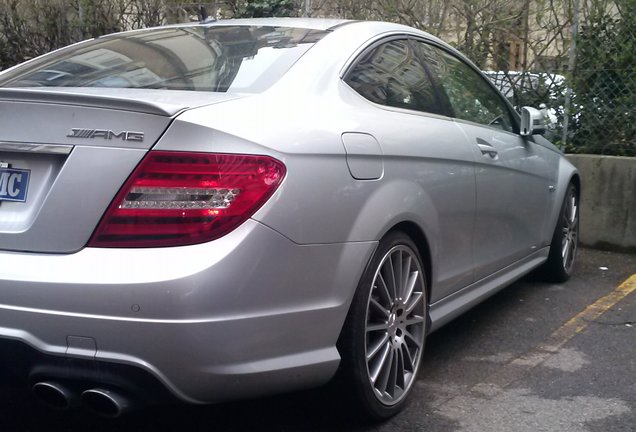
[[384, 334], [564, 244]]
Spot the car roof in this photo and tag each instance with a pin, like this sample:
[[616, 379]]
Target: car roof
[[305, 23], [316, 24], [325, 24], [321, 24]]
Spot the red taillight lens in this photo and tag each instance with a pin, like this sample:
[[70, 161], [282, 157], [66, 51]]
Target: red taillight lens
[[175, 199]]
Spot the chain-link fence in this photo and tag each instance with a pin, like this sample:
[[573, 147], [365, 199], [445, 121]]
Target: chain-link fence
[[574, 59], [587, 90], [602, 117]]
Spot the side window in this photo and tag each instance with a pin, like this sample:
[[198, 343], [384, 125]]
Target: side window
[[470, 96], [392, 75]]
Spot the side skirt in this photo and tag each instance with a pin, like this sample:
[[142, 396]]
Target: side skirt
[[448, 308]]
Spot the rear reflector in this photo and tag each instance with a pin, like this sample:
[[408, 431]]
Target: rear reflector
[[175, 199]]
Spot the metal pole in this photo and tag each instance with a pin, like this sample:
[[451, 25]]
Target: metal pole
[[80, 14], [571, 66], [306, 8]]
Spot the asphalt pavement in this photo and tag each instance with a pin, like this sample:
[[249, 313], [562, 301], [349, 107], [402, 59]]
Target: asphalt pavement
[[535, 357]]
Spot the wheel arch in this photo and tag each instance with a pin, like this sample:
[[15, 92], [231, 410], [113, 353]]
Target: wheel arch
[[417, 234]]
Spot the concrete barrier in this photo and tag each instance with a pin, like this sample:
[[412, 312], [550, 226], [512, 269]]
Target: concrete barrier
[[608, 202]]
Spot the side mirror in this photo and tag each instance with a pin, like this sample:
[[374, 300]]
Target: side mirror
[[532, 121]]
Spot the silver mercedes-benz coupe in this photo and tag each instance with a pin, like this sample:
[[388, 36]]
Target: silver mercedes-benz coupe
[[208, 212]]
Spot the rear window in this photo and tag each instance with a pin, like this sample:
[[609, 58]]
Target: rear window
[[197, 58]]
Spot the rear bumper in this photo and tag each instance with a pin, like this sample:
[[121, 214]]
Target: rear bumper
[[249, 314]]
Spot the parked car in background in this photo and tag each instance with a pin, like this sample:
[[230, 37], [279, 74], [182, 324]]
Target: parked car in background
[[511, 82], [546, 90], [209, 212]]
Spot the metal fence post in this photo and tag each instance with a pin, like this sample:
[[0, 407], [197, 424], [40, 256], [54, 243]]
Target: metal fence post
[[571, 65]]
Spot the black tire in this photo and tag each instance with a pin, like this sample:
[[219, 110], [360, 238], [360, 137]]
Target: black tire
[[383, 337], [564, 245]]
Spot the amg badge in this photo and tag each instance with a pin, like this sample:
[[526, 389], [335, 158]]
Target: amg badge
[[106, 134]]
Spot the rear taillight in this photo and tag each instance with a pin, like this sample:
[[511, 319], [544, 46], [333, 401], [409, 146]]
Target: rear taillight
[[175, 198]]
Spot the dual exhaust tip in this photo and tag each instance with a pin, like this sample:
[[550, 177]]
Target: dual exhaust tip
[[103, 402]]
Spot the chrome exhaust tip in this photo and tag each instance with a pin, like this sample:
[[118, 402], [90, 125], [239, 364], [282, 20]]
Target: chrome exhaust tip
[[54, 395], [105, 403]]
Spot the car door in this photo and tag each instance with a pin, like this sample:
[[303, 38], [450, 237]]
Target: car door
[[513, 174], [426, 156]]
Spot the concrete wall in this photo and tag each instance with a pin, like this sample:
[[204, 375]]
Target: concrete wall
[[608, 201]]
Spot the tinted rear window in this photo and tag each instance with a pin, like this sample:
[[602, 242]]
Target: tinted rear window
[[198, 58]]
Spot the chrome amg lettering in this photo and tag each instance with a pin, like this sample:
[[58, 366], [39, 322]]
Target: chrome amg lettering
[[101, 133], [134, 136], [105, 134]]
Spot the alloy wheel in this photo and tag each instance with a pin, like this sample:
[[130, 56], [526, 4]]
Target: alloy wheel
[[569, 241], [395, 324]]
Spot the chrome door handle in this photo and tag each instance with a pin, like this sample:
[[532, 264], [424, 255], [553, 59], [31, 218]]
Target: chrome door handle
[[487, 149]]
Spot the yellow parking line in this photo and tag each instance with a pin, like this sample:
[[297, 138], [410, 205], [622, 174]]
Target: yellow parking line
[[520, 366], [579, 322]]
